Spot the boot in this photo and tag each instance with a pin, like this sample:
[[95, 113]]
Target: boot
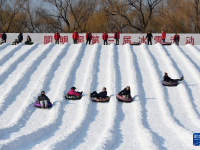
[[181, 79]]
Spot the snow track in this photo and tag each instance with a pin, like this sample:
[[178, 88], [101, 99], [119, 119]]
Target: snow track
[[158, 118]]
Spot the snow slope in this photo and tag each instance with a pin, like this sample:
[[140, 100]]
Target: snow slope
[[158, 118]]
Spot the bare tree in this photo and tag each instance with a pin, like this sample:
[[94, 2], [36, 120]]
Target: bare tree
[[135, 13], [81, 11], [61, 13], [13, 7]]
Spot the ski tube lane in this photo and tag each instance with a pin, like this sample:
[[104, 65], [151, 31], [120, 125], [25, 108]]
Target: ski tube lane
[[7, 53], [108, 136], [30, 94], [190, 78], [4, 46], [29, 136], [84, 108], [70, 106], [20, 77], [11, 64], [193, 52], [178, 96], [134, 127], [91, 133], [56, 93], [159, 115]]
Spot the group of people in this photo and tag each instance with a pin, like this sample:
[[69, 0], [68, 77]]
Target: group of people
[[149, 37], [75, 37], [17, 41], [44, 100], [125, 93]]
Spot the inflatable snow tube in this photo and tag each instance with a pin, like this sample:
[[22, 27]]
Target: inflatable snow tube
[[135, 43], [166, 43], [29, 43], [38, 105], [73, 97], [120, 98], [165, 83], [95, 99]]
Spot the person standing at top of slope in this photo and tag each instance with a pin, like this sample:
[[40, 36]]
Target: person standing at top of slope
[[43, 100], [105, 38], [72, 92], [125, 93], [163, 35], [88, 37], [20, 37], [117, 36], [168, 79], [149, 38], [4, 37], [56, 37], [75, 37], [176, 38], [102, 94]]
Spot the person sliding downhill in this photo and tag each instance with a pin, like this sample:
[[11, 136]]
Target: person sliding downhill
[[72, 92], [168, 79], [125, 93], [102, 94], [43, 100]]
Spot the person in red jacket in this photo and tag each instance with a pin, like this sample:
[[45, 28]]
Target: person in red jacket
[[56, 37], [105, 38], [176, 38], [116, 36], [88, 37], [163, 35], [75, 37]]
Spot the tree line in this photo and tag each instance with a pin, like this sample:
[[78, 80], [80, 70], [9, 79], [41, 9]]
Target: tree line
[[97, 16]]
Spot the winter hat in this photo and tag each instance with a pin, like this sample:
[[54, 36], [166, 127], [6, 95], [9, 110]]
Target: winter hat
[[73, 88], [166, 74]]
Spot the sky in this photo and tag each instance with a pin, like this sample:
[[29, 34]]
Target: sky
[[40, 2]]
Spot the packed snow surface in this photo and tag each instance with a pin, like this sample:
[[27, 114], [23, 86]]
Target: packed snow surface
[[159, 118]]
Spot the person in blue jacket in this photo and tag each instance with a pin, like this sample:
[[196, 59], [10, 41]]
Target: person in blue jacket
[[102, 94]]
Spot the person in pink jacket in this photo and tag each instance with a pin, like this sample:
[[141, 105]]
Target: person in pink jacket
[[72, 92]]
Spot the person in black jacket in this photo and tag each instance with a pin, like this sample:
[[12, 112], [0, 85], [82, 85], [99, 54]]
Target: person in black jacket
[[125, 92], [168, 79], [149, 38], [20, 37], [102, 94], [43, 100], [4, 37], [28, 40]]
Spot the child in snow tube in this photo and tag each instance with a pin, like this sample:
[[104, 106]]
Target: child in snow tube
[[167, 81], [43, 101], [73, 95], [125, 95], [15, 42], [99, 97]]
